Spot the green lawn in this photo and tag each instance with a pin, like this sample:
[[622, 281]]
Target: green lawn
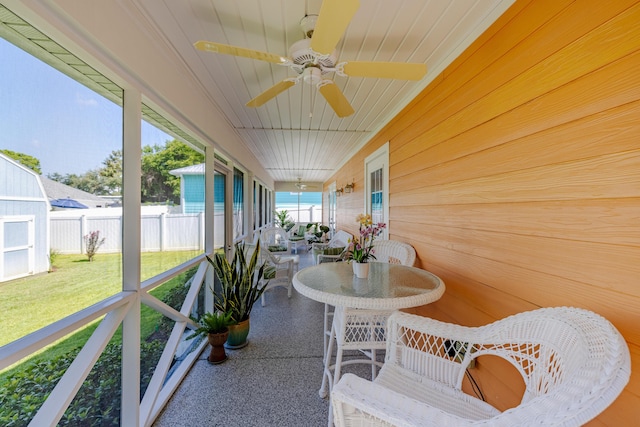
[[30, 303]]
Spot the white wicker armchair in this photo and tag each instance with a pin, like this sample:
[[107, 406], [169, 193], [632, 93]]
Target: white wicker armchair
[[340, 240], [574, 364], [275, 239], [394, 252], [278, 269]]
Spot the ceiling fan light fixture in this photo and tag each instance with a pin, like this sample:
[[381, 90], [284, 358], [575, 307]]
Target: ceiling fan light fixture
[[308, 24], [312, 75]]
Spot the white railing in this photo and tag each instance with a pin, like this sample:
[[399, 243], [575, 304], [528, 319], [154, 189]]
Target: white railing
[[115, 309]]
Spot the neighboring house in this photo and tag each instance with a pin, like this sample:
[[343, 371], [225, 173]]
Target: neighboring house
[[192, 188], [24, 221], [57, 190]]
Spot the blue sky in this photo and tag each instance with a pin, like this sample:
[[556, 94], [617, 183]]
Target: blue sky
[[46, 114]]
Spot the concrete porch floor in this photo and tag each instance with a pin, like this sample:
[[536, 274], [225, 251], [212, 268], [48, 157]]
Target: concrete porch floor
[[273, 381]]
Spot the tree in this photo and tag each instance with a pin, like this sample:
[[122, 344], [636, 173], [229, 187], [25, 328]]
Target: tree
[[90, 181], [103, 181], [111, 173], [158, 185], [24, 159]]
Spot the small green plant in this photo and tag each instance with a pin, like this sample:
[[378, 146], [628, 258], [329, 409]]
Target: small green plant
[[283, 220], [318, 230], [212, 323], [53, 254], [93, 242]]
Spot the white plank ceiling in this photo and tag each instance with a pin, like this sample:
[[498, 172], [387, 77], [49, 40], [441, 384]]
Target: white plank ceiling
[[297, 135]]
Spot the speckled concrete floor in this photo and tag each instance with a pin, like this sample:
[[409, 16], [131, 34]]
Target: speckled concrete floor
[[274, 381]]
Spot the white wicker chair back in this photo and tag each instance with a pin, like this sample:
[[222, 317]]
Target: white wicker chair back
[[394, 252]]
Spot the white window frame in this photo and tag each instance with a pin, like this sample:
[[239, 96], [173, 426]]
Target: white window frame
[[379, 159]]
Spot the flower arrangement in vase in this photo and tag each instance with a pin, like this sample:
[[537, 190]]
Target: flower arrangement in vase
[[361, 250]]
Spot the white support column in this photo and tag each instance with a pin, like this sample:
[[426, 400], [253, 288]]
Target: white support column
[[228, 212], [209, 174], [131, 228]]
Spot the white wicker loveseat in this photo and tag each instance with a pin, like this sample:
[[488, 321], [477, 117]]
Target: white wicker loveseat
[[574, 364]]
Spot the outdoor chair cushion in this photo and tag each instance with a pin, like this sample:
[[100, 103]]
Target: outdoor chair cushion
[[277, 248], [269, 272], [327, 251]]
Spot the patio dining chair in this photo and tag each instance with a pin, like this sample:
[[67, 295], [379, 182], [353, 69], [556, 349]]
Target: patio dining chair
[[360, 329], [332, 251], [574, 364]]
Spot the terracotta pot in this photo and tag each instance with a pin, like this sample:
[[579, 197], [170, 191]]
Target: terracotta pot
[[360, 269], [218, 354], [238, 335]]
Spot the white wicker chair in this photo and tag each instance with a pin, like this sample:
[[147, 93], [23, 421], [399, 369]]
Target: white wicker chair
[[298, 237], [363, 330], [279, 270], [340, 240], [275, 237], [574, 364], [394, 252]]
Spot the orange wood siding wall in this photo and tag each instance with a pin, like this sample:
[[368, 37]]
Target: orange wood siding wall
[[516, 176]]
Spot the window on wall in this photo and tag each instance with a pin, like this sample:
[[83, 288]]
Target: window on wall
[[375, 195], [260, 206], [238, 204], [376, 167], [333, 207]]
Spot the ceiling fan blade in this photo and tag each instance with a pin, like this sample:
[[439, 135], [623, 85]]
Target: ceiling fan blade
[[386, 70], [334, 17], [272, 92], [240, 51], [336, 99]]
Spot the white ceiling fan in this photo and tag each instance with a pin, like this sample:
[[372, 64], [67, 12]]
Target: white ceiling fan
[[301, 186], [314, 56]]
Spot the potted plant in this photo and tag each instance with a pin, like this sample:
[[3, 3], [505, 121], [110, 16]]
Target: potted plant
[[216, 327], [283, 220], [319, 232], [239, 289], [361, 251]]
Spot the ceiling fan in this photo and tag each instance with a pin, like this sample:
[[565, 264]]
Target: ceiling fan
[[300, 186], [314, 56]]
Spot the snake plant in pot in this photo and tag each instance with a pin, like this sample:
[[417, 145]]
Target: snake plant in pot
[[238, 289]]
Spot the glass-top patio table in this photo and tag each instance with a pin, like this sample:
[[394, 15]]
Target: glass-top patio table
[[389, 287]]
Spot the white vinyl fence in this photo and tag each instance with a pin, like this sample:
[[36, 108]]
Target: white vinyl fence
[[160, 232], [304, 215]]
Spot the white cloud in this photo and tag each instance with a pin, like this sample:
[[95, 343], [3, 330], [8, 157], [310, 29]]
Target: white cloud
[[86, 101]]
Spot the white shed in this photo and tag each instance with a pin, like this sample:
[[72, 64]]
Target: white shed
[[24, 221]]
